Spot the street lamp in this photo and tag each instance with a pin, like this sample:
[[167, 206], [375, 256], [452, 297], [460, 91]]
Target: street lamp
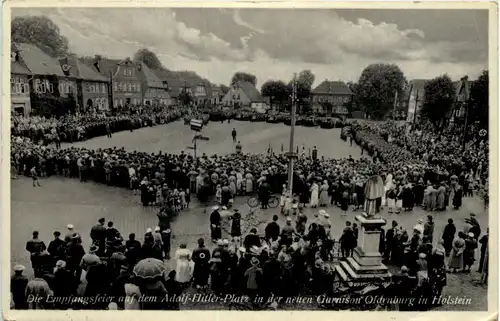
[[291, 154]]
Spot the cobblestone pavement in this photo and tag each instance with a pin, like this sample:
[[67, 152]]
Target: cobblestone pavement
[[63, 201]]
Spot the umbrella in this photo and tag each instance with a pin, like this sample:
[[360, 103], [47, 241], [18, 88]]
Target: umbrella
[[38, 287], [118, 257], [149, 268], [90, 259], [225, 214]]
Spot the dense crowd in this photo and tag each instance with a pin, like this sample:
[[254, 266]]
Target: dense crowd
[[78, 127], [282, 260]]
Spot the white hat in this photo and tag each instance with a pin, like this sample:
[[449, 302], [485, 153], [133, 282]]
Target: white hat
[[322, 212], [326, 215], [70, 226], [19, 268], [225, 242], [422, 255], [157, 229], [224, 208], [471, 234], [242, 249], [149, 230], [215, 208]]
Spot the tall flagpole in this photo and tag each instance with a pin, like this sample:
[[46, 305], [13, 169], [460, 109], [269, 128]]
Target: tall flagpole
[[291, 155], [395, 104]]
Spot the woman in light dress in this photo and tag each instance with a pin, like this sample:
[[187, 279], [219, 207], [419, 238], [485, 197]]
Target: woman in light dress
[[132, 295], [249, 183], [323, 195], [239, 182], [314, 195], [456, 261], [183, 267]]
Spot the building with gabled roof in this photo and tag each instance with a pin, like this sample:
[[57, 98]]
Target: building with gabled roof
[[331, 97], [19, 83], [244, 94], [155, 91]]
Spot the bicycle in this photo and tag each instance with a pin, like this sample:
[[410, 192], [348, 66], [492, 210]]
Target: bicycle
[[254, 201]]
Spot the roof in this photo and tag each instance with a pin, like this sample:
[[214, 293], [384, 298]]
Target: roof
[[250, 91], [88, 73], [332, 88], [17, 68], [151, 79], [38, 62], [106, 65], [418, 85]]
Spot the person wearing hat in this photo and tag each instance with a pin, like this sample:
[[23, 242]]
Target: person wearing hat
[[201, 258], [469, 252], [36, 247], [65, 284], [98, 235], [428, 230], [57, 247], [253, 276], [18, 284], [272, 230], [215, 224], [235, 224], [448, 236], [456, 260], [69, 234], [251, 239]]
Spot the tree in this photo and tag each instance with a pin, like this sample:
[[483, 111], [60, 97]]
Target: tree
[[243, 76], [185, 98], [41, 32], [306, 77], [479, 95], [277, 92], [439, 95], [149, 58], [377, 87], [224, 89]]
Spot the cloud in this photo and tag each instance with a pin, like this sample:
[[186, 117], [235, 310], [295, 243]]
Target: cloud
[[271, 44]]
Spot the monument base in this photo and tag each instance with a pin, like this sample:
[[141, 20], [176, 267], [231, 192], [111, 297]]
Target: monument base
[[366, 263]]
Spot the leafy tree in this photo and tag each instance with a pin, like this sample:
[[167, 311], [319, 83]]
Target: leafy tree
[[149, 58], [243, 76], [185, 98], [306, 77], [438, 100], [479, 95], [39, 31], [377, 87], [224, 89], [277, 92]]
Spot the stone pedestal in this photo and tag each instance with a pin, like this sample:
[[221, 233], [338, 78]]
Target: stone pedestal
[[366, 263]]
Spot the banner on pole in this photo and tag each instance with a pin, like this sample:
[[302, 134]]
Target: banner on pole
[[196, 124]]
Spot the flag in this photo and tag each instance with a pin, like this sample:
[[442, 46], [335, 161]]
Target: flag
[[281, 147]]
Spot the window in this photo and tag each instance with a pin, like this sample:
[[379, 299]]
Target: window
[[121, 102], [115, 85], [116, 102], [124, 71], [129, 72], [129, 87], [103, 88], [50, 87]]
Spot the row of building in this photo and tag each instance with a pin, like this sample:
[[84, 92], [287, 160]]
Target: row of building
[[96, 83], [106, 83], [101, 83]]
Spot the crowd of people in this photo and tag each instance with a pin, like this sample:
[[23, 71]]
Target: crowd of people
[[79, 127], [417, 169]]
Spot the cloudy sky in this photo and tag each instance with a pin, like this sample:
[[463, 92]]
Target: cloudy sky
[[275, 43]]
